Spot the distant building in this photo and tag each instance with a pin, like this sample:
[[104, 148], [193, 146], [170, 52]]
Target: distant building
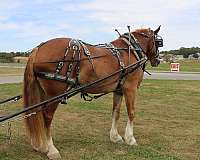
[[179, 57], [194, 56], [170, 58]]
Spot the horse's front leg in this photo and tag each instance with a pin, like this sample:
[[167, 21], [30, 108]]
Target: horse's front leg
[[114, 135], [129, 94]]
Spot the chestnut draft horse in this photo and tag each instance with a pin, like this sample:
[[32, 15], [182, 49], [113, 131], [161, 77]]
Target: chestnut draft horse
[[83, 63]]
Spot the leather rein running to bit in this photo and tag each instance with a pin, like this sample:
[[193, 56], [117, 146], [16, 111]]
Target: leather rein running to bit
[[74, 64]]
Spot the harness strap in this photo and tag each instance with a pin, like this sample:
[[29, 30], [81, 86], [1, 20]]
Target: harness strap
[[57, 77], [61, 63], [132, 42], [131, 47], [74, 66], [68, 78], [87, 53], [85, 49], [116, 53], [88, 97]]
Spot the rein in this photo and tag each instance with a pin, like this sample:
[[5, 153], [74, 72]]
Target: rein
[[14, 99]]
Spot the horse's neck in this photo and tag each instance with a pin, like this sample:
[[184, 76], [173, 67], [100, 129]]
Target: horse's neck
[[119, 43], [141, 42]]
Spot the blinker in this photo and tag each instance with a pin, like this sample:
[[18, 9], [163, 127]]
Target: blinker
[[158, 41]]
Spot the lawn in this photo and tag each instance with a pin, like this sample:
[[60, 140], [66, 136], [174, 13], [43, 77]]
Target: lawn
[[166, 127], [12, 68], [185, 66], [21, 64], [11, 71]]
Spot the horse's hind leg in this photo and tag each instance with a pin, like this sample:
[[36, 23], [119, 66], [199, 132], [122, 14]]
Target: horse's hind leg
[[53, 153], [129, 94], [114, 135]]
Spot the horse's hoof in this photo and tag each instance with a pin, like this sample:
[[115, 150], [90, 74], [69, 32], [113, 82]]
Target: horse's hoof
[[54, 156], [131, 141], [120, 141], [40, 149], [117, 139]]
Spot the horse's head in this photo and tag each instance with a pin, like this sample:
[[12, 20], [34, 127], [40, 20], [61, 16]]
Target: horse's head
[[150, 41]]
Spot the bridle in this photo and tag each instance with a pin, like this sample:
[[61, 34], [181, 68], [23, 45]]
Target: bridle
[[156, 43]]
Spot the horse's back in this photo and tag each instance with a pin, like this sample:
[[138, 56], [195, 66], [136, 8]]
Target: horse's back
[[52, 50]]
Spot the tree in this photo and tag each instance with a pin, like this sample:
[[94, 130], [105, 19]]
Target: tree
[[183, 51]]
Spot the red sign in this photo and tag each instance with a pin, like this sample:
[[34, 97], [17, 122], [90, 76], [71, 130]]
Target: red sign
[[175, 67]]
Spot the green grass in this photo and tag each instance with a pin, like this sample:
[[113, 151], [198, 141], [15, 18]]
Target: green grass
[[12, 68], [11, 71], [14, 64], [166, 126], [185, 66]]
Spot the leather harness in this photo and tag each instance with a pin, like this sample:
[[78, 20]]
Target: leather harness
[[73, 68]]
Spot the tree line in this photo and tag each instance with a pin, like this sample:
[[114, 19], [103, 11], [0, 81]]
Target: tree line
[[7, 57], [183, 51]]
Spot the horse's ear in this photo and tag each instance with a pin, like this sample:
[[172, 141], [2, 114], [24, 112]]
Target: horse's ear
[[157, 30]]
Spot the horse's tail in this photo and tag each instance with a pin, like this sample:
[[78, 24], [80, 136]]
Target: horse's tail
[[33, 93]]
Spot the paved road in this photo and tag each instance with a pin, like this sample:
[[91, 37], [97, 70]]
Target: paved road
[[173, 76], [155, 75], [10, 79]]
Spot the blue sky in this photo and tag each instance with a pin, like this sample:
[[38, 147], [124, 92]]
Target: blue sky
[[25, 24]]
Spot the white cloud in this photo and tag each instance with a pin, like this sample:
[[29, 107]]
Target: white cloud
[[136, 12], [168, 13], [25, 20]]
